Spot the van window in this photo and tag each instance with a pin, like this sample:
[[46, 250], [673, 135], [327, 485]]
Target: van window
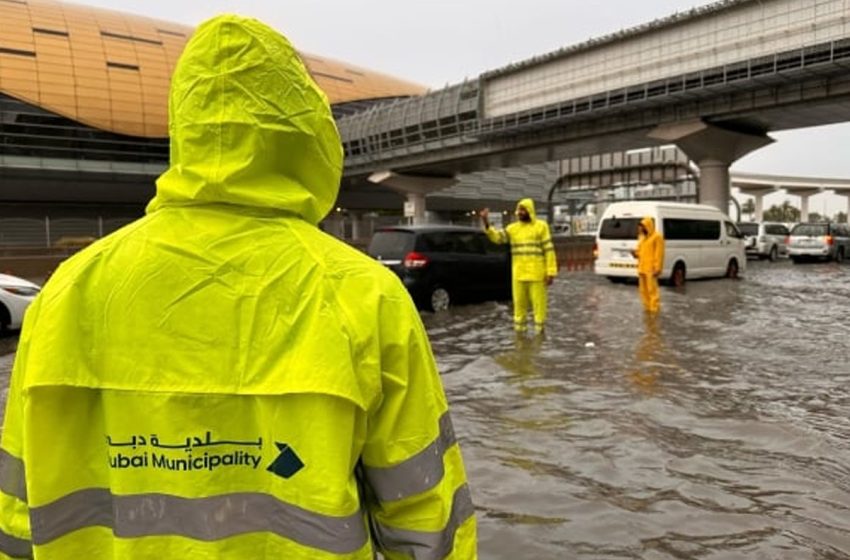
[[685, 229], [619, 228], [732, 231]]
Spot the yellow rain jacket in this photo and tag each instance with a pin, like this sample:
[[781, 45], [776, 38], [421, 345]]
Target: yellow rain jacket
[[650, 249], [650, 255], [220, 379], [532, 251]]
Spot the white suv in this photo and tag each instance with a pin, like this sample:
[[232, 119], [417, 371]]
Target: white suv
[[765, 240]]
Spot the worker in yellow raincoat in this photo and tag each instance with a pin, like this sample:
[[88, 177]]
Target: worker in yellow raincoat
[[220, 379], [650, 257], [534, 265]]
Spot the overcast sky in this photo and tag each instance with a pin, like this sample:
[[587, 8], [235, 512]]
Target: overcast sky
[[443, 41]]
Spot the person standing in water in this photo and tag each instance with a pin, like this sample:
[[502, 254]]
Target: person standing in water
[[534, 266]]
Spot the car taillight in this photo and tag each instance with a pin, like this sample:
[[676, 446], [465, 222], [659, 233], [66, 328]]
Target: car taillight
[[829, 239], [415, 260], [595, 251], [787, 239]]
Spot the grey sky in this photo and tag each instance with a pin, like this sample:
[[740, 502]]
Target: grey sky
[[443, 41]]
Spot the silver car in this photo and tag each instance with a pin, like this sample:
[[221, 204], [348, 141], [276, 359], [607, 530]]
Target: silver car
[[822, 241], [765, 240]]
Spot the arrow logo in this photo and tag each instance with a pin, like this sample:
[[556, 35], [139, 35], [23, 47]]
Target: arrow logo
[[287, 463]]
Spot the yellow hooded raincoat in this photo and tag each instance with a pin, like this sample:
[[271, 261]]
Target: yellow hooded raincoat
[[220, 379], [533, 260], [650, 256]]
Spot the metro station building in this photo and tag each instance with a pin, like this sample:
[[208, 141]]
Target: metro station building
[[84, 119]]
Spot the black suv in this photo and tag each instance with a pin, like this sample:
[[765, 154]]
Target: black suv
[[442, 265]]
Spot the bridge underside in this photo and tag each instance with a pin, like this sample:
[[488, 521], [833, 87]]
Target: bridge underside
[[817, 102]]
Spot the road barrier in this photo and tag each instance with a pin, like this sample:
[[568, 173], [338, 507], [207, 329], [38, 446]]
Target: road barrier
[[574, 253]]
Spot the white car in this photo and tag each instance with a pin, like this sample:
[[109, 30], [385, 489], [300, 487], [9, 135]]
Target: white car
[[16, 294], [765, 240]]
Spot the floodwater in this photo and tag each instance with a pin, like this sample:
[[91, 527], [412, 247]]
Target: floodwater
[[720, 430]]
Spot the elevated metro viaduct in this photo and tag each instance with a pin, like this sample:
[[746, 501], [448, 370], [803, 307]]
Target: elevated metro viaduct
[[714, 81]]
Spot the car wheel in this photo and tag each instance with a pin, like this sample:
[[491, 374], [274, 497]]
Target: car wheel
[[839, 255], [616, 279], [440, 299], [774, 254], [795, 260], [732, 269], [677, 278]]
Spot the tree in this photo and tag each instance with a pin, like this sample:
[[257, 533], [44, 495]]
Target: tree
[[841, 217], [749, 208], [784, 213], [816, 217]]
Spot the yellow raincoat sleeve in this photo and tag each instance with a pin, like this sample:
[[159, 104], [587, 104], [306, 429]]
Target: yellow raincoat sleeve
[[548, 250], [499, 236], [15, 536], [415, 483], [658, 254]]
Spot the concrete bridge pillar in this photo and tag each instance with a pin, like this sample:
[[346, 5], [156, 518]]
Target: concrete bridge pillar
[[356, 221], [714, 187], [804, 207], [415, 187], [758, 201], [714, 149], [414, 208], [804, 193]]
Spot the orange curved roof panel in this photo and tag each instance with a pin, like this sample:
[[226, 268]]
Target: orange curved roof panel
[[112, 70]]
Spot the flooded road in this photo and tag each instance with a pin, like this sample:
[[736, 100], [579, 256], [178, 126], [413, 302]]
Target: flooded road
[[721, 430]]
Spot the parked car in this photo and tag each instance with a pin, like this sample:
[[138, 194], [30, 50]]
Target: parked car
[[443, 265], [16, 294], [765, 240], [819, 241], [700, 241]]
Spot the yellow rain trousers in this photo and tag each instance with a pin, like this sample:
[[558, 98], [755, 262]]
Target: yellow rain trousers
[[650, 255], [533, 261], [220, 379]]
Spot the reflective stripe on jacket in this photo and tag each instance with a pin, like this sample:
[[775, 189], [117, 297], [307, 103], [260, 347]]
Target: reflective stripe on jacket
[[220, 378], [532, 250]]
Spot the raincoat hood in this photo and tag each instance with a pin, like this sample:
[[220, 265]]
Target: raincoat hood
[[528, 204], [248, 125], [648, 223]]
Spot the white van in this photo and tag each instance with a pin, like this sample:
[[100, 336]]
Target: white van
[[699, 241]]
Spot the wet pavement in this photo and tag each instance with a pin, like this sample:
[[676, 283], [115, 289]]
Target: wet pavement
[[721, 430]]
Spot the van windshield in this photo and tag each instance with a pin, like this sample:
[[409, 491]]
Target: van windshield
[[750, 230], [619, 228]]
